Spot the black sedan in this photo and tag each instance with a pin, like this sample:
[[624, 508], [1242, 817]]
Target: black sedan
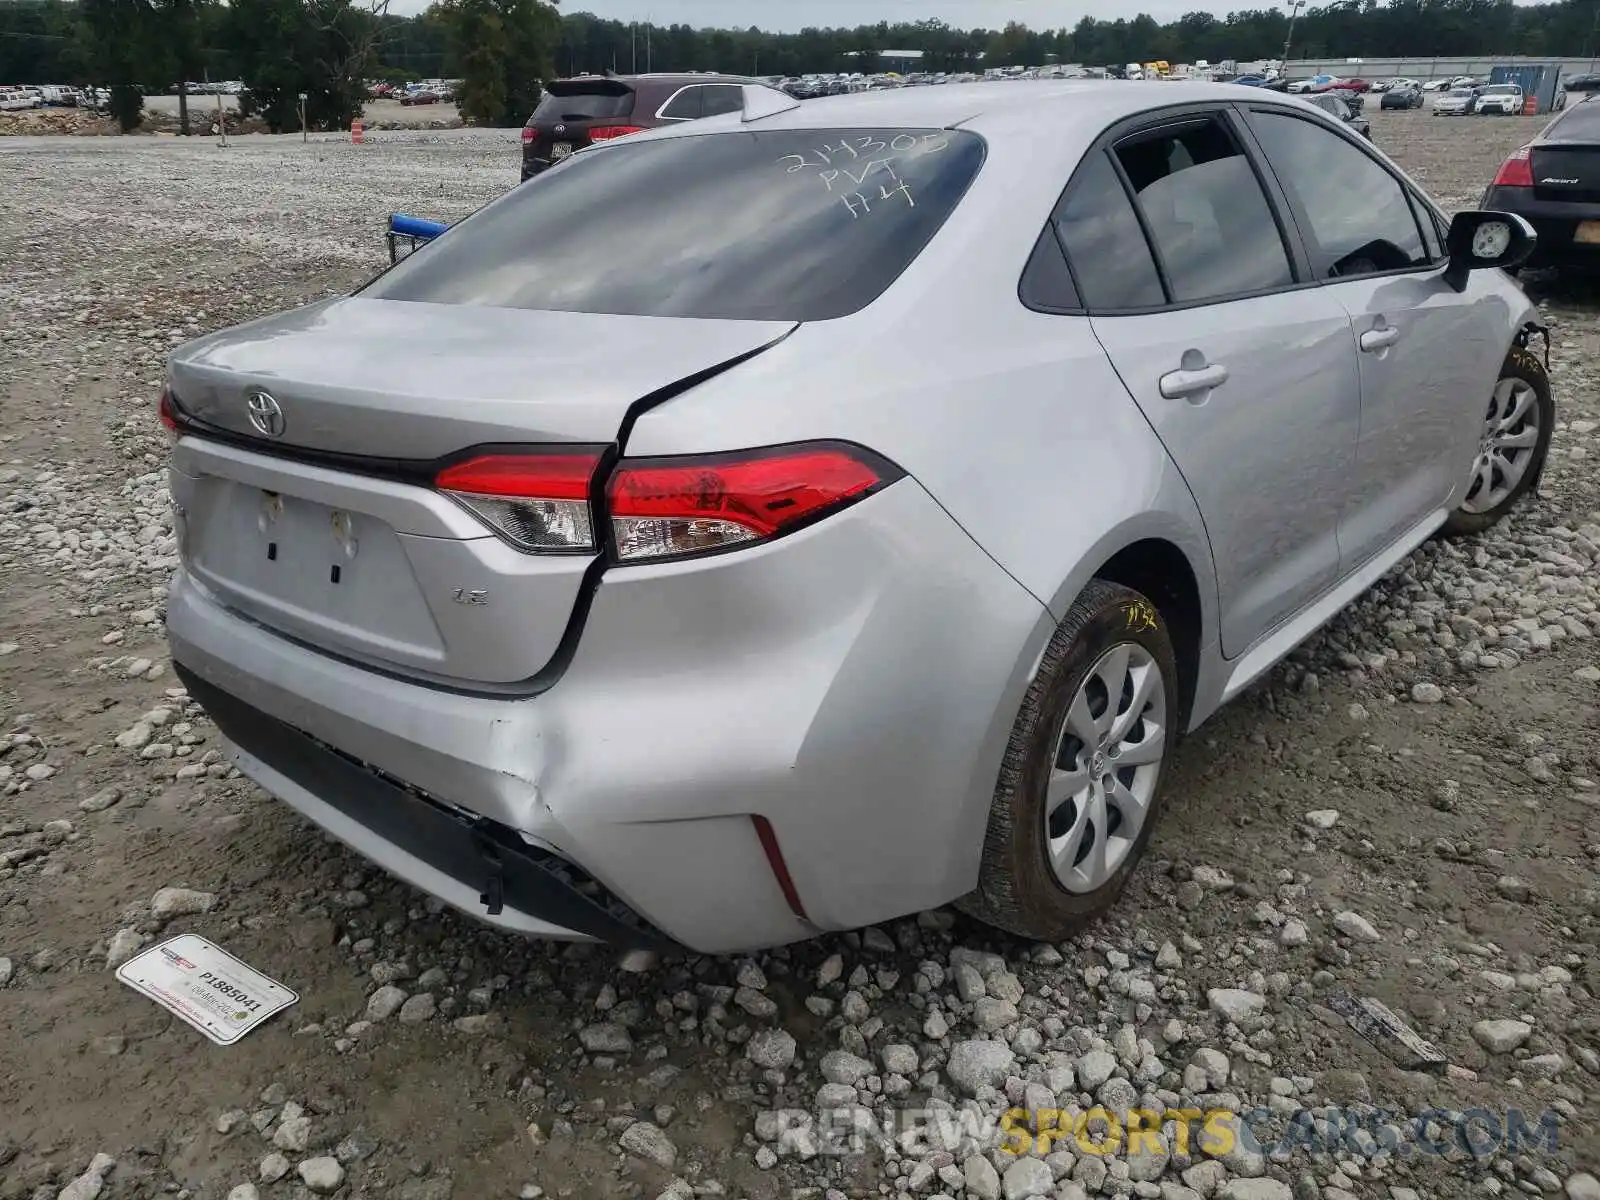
[[1554, 183], [1405, 97], [1335, 105]]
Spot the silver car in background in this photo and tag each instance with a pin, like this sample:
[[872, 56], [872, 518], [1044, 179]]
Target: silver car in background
[[847, 513]]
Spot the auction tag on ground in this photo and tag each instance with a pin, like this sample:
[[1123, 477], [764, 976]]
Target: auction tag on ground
[[206, 986]]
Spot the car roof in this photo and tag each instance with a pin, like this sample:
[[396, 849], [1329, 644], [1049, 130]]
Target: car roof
[[666, 78], [1039, 105]]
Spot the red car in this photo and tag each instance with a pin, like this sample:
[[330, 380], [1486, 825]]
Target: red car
[[419, 98], [1349, 85]]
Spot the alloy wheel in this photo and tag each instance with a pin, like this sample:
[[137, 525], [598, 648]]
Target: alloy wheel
[[1506, 446], [1107, 764]]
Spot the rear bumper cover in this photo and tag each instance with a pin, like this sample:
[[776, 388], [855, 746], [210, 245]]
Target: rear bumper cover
[[476, 864], [854, 684], [1555, 221]]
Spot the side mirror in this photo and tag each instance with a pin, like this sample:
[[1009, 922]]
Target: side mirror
[[1486, 239]]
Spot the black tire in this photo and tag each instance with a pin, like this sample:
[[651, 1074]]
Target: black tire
[[1017, 889], [1521, 363]]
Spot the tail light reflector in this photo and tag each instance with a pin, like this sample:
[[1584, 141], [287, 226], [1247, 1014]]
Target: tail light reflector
[[604, 133], [669, 508], [1517, 171], [168, 412], [528, 134], [534, 501]]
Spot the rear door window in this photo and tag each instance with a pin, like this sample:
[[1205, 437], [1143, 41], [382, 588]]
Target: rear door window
[[687, 105], [796, 225], [571, 100], [722, 98], [1206, 212], [1110, 257]]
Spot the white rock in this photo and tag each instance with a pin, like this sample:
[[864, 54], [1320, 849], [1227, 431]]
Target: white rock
[[1583, 1186], [293, 1134], [135, 737], [976, 1064], [1236, 1004], [180, 902], [1427, 693], [983, 1181], [245, 1191], [772, 1049], [1354, 925], [384, 1003], [648, 1142], [323, 1175], [90, 1184], [1025, 1178], [1094, 1068], [840, 1066], [124, 945], [1255, 1189], [1323, 818], [1502, 1036]]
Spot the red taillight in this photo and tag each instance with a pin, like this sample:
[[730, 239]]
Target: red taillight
[[1517, 171], [535, 501], [674, 507], [528, 134], [167, 412], [604, 133]]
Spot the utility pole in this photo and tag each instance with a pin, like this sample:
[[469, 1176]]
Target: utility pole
[[1294, 11], [648, 65], [633, 43]]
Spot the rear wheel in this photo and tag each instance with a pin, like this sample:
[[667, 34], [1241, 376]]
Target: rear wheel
[[1080, 789], [1512, 445]]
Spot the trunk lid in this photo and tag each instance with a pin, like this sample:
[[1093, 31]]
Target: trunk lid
[[364, 559], [408, 380], [1566, 171]]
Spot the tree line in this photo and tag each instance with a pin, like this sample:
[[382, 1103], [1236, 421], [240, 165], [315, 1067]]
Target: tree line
[[501, 49]]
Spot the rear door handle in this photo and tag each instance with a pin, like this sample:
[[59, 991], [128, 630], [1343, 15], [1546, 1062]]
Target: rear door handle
[[1380, 338], [1175, 385]]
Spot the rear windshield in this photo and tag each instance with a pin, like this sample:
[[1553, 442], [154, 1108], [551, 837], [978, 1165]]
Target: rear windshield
[[1580, 123], [1501, 89], [584, 102], [779, 225]]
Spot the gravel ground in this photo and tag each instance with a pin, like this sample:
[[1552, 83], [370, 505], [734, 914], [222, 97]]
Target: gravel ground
[[1406, 813]]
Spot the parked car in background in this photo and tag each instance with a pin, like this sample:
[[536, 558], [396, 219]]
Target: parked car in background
[[1355, 100], [1339, 107], [1315, 83], [1554, 184], [421, 96], [1500, 99], [14, 99], [594, 570], [1457, 102], [1353, 85], [1402, 98], [1437, 85], [578, 112]]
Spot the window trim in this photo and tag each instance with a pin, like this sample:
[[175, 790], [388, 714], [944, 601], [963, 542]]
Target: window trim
[[1148, 123], [661, 113], [1302, 219]]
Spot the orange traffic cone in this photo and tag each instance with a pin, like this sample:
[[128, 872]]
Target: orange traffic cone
[[358, 131]]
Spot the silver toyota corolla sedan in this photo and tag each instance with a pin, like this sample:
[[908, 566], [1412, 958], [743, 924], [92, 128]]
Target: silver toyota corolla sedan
[[817, 514]]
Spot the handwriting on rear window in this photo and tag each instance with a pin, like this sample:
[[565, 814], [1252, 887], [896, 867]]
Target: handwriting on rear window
[[860, 171]]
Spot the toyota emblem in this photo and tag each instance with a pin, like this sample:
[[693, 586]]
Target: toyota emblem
[[266, 416]]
